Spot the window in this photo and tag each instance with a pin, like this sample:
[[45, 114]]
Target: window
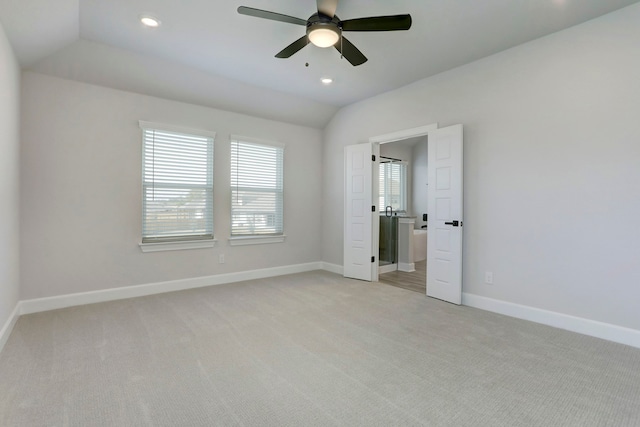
[[177, 184], [393, 186], [256, 188]]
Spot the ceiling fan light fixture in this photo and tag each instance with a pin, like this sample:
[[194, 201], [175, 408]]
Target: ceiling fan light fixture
[[323, 35]]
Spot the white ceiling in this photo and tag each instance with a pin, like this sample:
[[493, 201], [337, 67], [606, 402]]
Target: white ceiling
[[206, 53]]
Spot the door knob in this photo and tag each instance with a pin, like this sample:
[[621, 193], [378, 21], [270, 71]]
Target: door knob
[[455, 223]]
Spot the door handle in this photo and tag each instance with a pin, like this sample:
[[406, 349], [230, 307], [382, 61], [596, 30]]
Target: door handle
[[455, 223]]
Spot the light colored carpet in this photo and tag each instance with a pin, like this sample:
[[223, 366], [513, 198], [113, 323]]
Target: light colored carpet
[[303, 350]]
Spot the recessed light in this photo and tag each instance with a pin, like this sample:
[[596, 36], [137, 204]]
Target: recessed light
[[149, 21], [326, 80]]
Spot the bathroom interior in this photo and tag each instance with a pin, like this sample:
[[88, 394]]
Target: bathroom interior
[[403, 233]]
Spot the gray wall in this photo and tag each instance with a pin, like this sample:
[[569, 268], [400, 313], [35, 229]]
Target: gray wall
[[552, 167], [81, 190], [9, 184]]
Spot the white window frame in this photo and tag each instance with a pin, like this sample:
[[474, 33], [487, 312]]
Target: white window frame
[[177, 242], [384, 190], [257, 238]]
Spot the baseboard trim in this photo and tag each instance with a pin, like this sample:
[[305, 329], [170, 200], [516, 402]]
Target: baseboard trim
[[5, 332], [382, 269], [407, 267], [112, 294], [333, 268], [580, 325]]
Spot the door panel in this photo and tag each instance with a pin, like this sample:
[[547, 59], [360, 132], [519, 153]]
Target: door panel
[[358, 228], [444, 251]]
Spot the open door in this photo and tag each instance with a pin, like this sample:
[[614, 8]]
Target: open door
[[444, 247], [359, 210]]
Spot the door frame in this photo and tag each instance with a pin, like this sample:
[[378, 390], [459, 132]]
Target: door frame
[[375, 142]]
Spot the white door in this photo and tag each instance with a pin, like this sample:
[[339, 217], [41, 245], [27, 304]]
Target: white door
[[358, 215], [444, 247]]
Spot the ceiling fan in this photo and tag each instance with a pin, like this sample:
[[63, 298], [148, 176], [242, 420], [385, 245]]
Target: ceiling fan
[[324, 29]]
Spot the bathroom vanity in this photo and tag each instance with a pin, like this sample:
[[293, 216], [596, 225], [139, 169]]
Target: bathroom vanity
[[405, 244], [396, 243]]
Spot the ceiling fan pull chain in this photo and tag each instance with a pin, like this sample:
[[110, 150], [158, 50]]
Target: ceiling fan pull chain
[[341, 54]]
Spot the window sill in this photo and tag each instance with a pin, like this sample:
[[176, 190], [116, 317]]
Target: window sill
[[255, 240], [177, 246]]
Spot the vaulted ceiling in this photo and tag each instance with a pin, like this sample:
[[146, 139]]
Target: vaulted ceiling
[[206, 53]]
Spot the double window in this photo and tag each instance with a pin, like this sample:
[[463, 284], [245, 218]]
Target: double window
[[177, 184], [256, 187], [177, 187]]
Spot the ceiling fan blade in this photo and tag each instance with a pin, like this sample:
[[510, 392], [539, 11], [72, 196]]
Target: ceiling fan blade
[[378, 23], [293, 47], [349, 51], [259, 13], [327, 7]]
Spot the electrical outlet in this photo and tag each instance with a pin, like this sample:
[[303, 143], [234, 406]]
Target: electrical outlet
[[221, 258], [488, 277]]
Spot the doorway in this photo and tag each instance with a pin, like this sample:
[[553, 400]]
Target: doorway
[[414, 281], [402, 206], [445, 210]]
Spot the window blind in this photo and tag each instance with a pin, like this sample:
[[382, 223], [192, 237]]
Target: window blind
[[393, 186], [177, 186], [256, 188]]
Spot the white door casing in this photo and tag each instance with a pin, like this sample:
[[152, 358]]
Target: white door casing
[[375, 142], [358, 215], [444, 247]]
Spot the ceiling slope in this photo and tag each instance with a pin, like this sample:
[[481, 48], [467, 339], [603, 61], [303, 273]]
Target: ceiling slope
[[205, 52], [102, 65], [38, 28]]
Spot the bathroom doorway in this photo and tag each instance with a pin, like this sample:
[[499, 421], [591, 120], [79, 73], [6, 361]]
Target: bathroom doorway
[[445, 210], [415, 281], [402, 200]]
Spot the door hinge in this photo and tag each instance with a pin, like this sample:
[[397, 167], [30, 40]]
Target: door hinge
[[373, 259], [373, 157], [373, 208]]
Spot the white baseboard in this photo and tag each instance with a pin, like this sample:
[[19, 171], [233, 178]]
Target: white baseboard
[[8, 326], [382, 269], [407, 267], [70, 300], [333, 268], [580, 325]]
